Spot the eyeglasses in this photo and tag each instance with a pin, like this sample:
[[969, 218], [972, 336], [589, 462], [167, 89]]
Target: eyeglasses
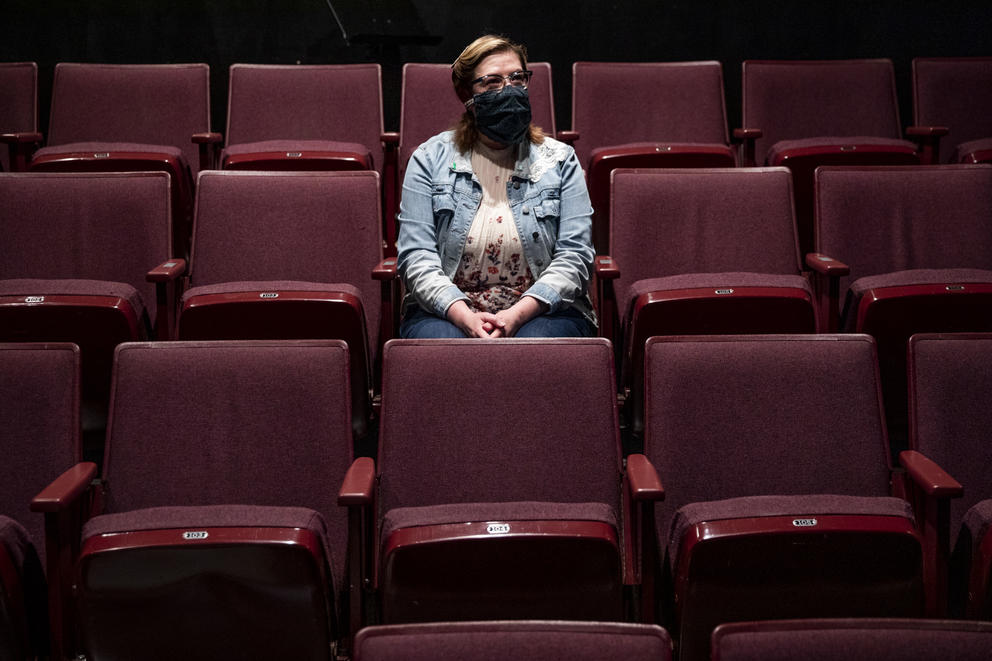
[[494, 81]]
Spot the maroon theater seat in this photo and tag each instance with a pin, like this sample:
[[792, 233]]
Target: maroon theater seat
[[304, 117], [291, 255], [706, 251], [912, 252], [429, 105], [950, 409], [954, 94], [773, 453], [39, 419], [862, 638], [86, 259], [220, 534], [813, 113], [117, 117], [646, 115], [527, 640], [499, 482], [18, 114]]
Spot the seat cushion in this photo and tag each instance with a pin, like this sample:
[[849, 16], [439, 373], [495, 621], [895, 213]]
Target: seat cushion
[[101, 147], [273, 146], [714, 281], [963, 152], [782, 147], [768, 506], [74, 287], [408, 517], [975, 525], [269, 285], [904, 279]]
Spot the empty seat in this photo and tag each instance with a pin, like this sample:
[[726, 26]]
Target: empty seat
[[833, 112], [291, 255], [700, 251], [500, 490], [521, 640], [86, 259], [863, 638], [18, 114], [304, 117], [950, 392], [114, 117], [773, 455], [220, 533], [955, 93], [39, 416], [911, 252], [643, 115]]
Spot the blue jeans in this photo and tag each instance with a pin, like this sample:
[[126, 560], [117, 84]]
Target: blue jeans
[[418, 324]]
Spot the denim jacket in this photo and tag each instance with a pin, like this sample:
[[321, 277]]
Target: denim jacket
[[550, 206]]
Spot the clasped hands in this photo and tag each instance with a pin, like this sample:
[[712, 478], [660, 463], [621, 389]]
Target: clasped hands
[[504, 323]]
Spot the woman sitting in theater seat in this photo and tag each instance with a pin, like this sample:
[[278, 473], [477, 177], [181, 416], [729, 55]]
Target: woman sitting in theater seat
[[495, 222]]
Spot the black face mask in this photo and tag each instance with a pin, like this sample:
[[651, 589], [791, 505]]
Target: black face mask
[[503, 115]]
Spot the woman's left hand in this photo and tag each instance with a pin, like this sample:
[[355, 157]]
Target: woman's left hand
[[517, 315]]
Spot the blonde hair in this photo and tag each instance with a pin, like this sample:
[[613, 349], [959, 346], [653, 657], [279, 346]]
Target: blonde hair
[[462, 75]]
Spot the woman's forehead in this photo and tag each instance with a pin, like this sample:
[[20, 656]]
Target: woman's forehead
[[503, 62]]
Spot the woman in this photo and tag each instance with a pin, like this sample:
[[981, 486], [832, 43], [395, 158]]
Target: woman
[[495, 222]]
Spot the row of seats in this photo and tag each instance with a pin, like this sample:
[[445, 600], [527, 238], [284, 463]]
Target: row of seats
[[284, 255], [232, 516], [799, 114]]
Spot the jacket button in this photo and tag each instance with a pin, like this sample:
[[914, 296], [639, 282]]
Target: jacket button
[[540, 262], [536, 236], [526, 210], [516, 185]]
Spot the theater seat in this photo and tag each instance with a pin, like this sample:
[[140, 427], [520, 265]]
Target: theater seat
[[646, 115], [954, 93], [18, 114], [773, 453], [218, 534]]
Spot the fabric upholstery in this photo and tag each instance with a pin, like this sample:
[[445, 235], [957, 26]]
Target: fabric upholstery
[[678, 222], [791, 100], [956, 93], [325, 103], [19, 102], [866, 638], [39, 416], [220, 423], [150, 104], [474, 421], [950, 386], [881, 220], [109, 227], [521, 640], [321, 227], [673, 102], [16, 543], [729, 417]]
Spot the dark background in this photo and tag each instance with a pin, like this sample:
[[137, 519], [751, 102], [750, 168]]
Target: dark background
[[391, 32]]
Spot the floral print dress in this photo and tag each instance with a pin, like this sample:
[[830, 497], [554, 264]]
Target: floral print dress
[[493, 272]]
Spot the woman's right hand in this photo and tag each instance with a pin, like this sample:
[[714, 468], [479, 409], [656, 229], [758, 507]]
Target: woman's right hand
[[474, 323]]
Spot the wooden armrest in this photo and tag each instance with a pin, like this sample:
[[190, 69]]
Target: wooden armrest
[[928, 476], [358, 486], [26, 137], [207, 138], [385, 270], [568, 136], [606, 267], [742, 134], [826, 265], [643, 479], [927, 131], [167, 271], [66, 488], [390, 138]]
